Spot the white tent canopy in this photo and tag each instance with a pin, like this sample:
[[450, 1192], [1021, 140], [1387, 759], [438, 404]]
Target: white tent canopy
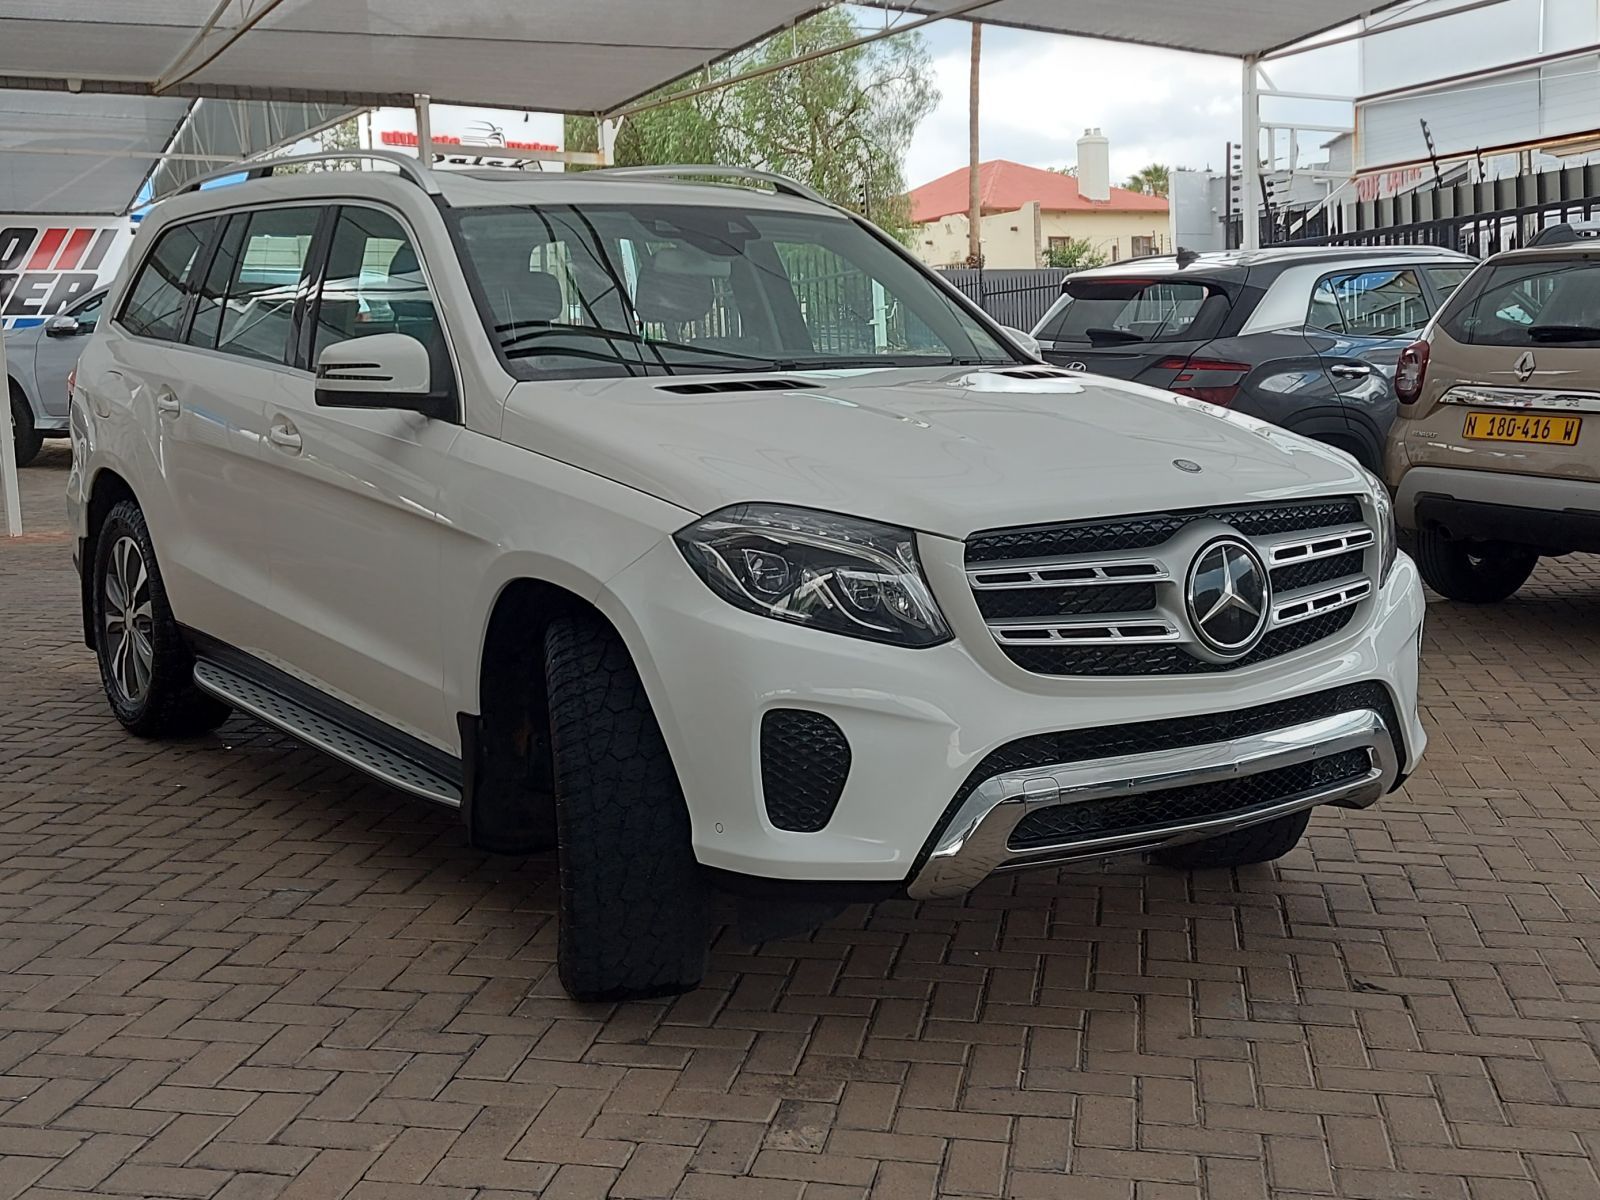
[[592, 56]]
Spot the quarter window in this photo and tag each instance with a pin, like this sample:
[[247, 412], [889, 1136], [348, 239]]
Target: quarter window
[[155, 304], [1382, 302]]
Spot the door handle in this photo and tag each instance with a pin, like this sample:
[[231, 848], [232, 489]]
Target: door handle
[[284, 436], [1350, 370], [167, 404]]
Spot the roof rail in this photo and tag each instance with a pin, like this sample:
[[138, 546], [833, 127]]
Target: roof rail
[[781, 184], [408, 165]]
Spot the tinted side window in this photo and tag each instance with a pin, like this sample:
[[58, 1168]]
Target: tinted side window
[[374, 284], [154, 308], [1380, 302], [1446, 280], [87, 314], [1119, 311], [246, 306]]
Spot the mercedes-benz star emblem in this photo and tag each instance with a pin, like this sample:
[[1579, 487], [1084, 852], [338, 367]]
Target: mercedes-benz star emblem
[[1228, 596], [1185, 464], [1524, 366]]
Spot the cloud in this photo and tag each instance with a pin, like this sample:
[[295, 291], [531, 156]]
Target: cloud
[[1041, 91]]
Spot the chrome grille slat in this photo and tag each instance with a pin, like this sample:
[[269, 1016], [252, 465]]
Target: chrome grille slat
[[1314, 602], [1282, 552], [1065, 572], [1321, 548], [1096, 631]]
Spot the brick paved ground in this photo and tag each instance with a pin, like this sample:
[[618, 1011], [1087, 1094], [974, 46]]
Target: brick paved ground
[[229, 969]]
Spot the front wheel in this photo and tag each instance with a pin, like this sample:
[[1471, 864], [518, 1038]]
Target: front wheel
[[1241, 848], [634, 906], [145, 667], [1473, 573]]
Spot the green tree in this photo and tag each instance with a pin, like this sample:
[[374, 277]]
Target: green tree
[[1078, 254], [1153, 179], [841, 123]]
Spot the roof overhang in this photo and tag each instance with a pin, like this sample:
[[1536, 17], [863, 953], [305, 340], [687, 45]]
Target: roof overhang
[[589, 57]]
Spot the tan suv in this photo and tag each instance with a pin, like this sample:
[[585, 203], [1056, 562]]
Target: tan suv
[[1492, 459]]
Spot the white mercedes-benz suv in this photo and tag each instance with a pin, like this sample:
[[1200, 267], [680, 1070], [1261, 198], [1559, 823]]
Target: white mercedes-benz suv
[[696, 530]]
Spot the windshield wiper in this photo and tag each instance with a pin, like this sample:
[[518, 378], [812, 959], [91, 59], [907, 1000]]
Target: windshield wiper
[[1100, 336], [1563, 333], [514, 348]]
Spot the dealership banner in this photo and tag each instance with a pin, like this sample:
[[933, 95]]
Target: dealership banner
[[48, 262], [468, 137]]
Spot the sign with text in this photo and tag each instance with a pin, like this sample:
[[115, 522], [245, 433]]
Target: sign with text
[[47, 263], [468, 137]]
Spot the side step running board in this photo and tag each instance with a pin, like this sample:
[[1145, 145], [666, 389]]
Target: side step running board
[[333, 737]]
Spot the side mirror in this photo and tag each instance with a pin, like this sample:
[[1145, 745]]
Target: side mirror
[[62, 325], [386, 370], [1025, 342]]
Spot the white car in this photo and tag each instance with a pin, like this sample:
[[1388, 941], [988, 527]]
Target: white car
[[699, 531]]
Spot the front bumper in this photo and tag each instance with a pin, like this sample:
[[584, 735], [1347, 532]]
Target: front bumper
[[920, 723], [980, 837], [1554, 514]]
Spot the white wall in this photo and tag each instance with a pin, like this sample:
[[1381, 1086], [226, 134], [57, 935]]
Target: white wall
[[1548, 100]]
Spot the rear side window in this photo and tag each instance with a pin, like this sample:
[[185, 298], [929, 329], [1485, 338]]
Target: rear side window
[[1537, 303], [1381, 302], [1112, 311], [154, 308], [246, 305]]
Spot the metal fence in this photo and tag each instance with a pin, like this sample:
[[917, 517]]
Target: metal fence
[[1016, 298]]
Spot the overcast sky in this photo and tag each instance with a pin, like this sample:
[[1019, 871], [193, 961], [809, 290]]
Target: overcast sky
[[1041, 91]]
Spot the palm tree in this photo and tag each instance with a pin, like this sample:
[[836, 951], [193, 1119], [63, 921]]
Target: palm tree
[[1152, 179]]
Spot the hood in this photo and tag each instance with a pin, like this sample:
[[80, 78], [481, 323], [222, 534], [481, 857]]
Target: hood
[[942, 450]]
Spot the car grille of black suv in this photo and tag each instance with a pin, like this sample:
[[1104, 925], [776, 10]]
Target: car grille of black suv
[[1106, 597]]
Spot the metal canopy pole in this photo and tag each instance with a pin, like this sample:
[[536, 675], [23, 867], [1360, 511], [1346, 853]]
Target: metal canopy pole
[[8, 453], [1250, 158], [424, 130]]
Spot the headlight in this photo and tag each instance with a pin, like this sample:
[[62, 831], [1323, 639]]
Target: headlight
[[823, 570], [1388, 537]]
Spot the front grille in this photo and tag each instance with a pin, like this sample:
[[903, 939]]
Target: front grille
[[1066, 823], [805, 761], [1106, 597]]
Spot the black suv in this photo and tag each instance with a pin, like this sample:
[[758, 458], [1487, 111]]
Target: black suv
[[1304, 337]]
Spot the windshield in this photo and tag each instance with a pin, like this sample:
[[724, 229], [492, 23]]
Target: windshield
[[1116, 311], [675, 289]]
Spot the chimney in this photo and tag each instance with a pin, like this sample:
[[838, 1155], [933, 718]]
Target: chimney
[[1094, 166]]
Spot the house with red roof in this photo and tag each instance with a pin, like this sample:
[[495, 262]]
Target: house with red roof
[[1027, 210]]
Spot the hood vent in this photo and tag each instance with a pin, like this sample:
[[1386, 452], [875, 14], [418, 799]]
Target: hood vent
[[737, 385], [1035, 373]]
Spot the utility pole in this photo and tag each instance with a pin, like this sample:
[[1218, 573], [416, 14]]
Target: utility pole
[[974, 201]]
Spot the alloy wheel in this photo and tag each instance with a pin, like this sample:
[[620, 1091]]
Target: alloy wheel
[[128, 620]]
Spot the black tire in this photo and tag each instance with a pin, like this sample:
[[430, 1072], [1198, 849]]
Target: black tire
[[28, 439], [1470, 572], [169, 704], [1241, 848], [634, 903]]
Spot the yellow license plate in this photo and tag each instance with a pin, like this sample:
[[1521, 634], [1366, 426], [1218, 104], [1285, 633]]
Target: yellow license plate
[[1522, 427]]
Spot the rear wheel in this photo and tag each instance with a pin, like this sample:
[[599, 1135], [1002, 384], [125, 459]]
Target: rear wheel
[[28, 439], [634, 902], [145, 667], [1472, 572], [1241, 848]]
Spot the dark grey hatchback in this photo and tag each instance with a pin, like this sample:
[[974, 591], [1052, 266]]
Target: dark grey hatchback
[[1304, 337]]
